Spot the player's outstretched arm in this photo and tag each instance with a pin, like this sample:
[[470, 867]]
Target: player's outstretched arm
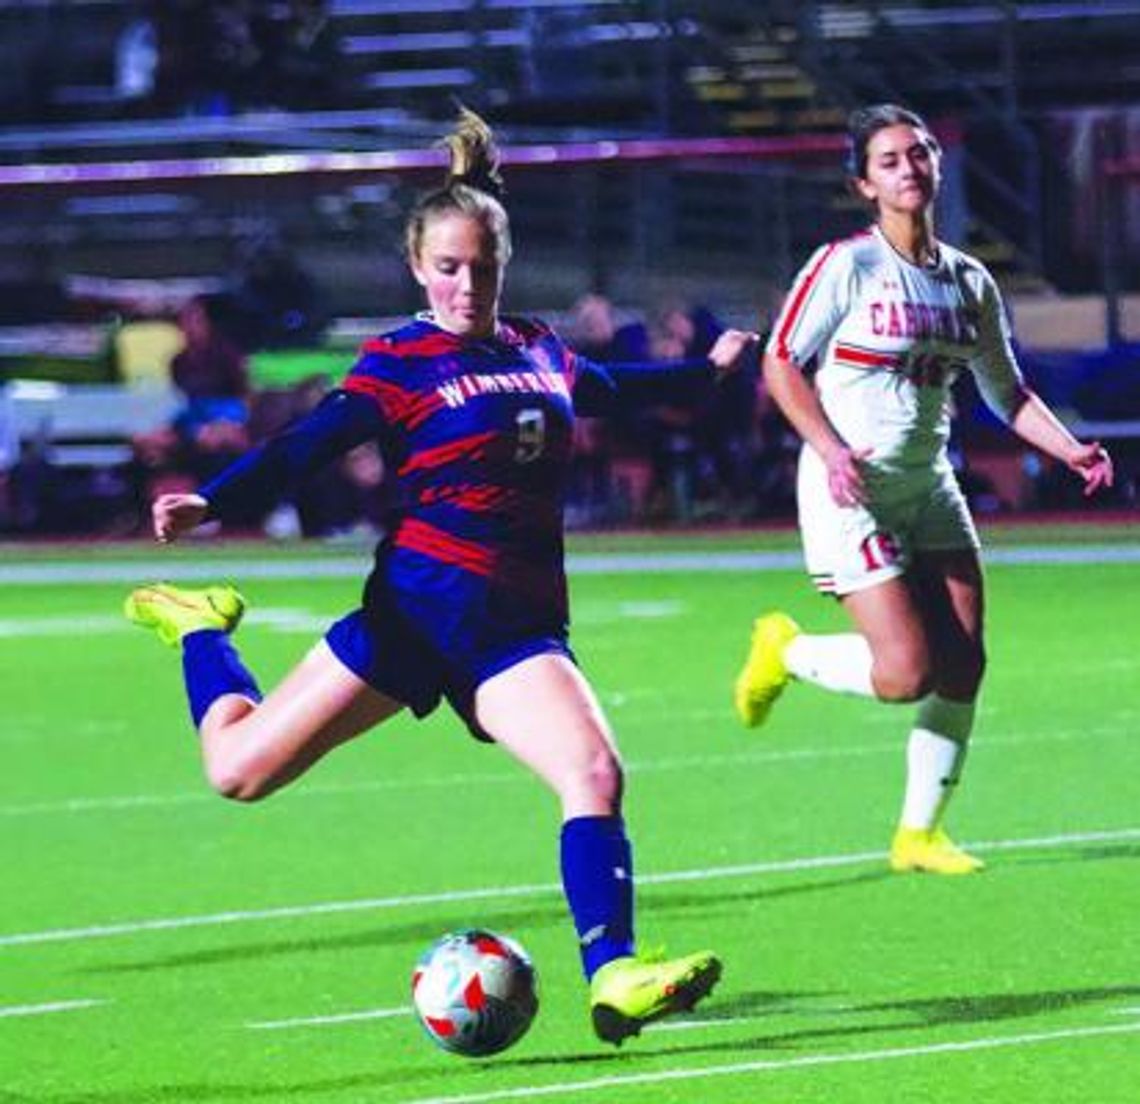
[[338, 423], [600, 389], [1037, 425]]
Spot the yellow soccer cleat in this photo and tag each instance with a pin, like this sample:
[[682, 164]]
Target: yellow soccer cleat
[[764, 674], [931, 851], [630, 992], [175, 611]]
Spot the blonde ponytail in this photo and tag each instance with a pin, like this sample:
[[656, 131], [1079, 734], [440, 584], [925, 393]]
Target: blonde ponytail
[[474, 155], [473, 187]]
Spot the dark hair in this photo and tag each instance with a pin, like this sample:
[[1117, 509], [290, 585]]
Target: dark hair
[[473, 187], [865, 122]]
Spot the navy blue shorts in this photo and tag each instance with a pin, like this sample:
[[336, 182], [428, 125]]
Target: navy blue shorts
[[419, 660]]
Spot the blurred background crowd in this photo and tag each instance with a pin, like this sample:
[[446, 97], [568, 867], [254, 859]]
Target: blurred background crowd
[[203, 201]]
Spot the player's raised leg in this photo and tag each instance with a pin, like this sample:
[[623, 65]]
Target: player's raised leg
[[570, 747], [251, 747], [199, 620], [884, 659]]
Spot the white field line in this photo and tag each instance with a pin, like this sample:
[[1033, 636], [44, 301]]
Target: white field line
[[325, 1021], [284, 619], [693, 1025], [582, 563], [776, 1065], [287, 619], [334, 1019], [47, 1009], [374, 904], [204, 796]]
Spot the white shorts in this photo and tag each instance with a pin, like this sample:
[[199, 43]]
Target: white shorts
[[850, 548]]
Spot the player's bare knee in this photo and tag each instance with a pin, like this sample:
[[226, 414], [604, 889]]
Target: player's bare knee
[[599, 779], [606, 776], [238, 781]]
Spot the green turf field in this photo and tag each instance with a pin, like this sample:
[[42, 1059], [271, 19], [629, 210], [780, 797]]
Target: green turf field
[[158, 944]]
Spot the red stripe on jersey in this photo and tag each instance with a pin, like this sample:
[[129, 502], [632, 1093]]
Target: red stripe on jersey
[[478, 499], [791, 313], [422, 408], [419, 536], [866, 358], [429, 345], [443, 454], [394, 402]]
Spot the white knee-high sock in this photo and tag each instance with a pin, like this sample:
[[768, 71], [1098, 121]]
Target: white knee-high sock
[[935, 756], [840, 662]]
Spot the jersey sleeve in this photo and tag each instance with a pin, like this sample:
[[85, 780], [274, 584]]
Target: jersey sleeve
[[601, 389], [995, 366], [341, 421], [817, 303]]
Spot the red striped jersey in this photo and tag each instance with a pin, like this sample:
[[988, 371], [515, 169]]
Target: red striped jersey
[[888, 339], [477, 438]]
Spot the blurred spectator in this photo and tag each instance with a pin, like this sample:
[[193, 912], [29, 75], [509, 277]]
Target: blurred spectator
[[591, 332], [211, 372], [137, 58], [218, 57], [302, 57], [212, 426], [236, 55], [674, 436], [593, 327]]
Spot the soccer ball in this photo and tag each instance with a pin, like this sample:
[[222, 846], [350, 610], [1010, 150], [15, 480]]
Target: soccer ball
[[475, 992]]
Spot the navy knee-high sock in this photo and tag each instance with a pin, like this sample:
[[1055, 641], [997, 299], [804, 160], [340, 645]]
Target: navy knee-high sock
[[212, 667], [597, 877]]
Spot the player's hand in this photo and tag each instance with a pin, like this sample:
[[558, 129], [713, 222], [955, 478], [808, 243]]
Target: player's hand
[[845, 475], [1093, 464], [729, 349], [174, 515]]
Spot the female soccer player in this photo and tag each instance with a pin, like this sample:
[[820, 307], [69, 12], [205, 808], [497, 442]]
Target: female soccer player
[[890, 317], [467, 597]]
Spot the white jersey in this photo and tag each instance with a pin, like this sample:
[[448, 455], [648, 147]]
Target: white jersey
[[889, 338]]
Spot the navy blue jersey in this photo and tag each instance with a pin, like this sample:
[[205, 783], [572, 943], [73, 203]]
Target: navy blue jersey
[[477, 438]]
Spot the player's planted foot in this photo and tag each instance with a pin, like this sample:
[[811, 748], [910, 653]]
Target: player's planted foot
[[764, 675], [931, 851], [175, 611], [628, 993]]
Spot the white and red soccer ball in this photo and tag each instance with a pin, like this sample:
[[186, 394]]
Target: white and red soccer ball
[[475, 992]]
